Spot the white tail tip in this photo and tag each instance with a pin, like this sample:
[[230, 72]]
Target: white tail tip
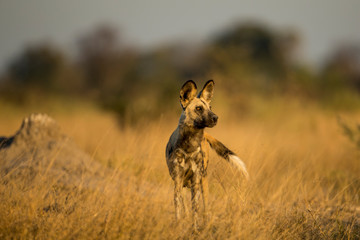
[[240, 165]]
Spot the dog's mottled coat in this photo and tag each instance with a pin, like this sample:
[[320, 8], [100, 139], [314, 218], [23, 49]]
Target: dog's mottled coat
[[188, 148]]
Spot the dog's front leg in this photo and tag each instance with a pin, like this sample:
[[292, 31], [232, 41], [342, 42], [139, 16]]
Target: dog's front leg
[[178, 181], [195, 196], [205, 194]]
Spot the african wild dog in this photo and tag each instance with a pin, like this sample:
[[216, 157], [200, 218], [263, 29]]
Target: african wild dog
[[187, 149]]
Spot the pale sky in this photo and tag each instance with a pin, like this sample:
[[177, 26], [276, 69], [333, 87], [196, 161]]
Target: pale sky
[[322, 24]]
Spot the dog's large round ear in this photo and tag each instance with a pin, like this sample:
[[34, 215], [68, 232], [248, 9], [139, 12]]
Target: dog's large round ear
[[187, 93], [207, 92]]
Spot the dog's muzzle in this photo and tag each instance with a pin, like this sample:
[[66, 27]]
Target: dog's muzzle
[[213, 120]]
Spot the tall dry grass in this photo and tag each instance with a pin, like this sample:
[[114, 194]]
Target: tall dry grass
[[304, 183]]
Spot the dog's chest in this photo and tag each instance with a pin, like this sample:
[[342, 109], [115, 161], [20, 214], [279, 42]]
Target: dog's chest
[[190, 164]]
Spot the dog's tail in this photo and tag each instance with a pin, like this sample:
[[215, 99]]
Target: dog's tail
[[227, 154]]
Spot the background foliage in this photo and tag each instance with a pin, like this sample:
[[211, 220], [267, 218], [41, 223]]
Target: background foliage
[[246, 59]]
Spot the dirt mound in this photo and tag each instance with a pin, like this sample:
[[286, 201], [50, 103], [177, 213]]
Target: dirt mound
[[39, 148]]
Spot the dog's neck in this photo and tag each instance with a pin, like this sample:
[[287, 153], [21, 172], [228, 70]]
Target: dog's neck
[[191, 137]]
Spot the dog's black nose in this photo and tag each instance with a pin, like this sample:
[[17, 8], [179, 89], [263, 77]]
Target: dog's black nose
[[214, 118]]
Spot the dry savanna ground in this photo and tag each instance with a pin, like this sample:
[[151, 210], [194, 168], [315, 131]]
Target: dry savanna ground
[[304, 183]]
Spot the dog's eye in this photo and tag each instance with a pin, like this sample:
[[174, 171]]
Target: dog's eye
[[199, 109]]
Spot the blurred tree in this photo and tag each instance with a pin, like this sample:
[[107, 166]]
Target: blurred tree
[[149, 86], [38, 70], [343, 67], [105, 62], [255, 43], [37, 66], [252, 51]]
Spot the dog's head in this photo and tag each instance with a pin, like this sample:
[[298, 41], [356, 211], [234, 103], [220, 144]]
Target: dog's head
[[197, 110]]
